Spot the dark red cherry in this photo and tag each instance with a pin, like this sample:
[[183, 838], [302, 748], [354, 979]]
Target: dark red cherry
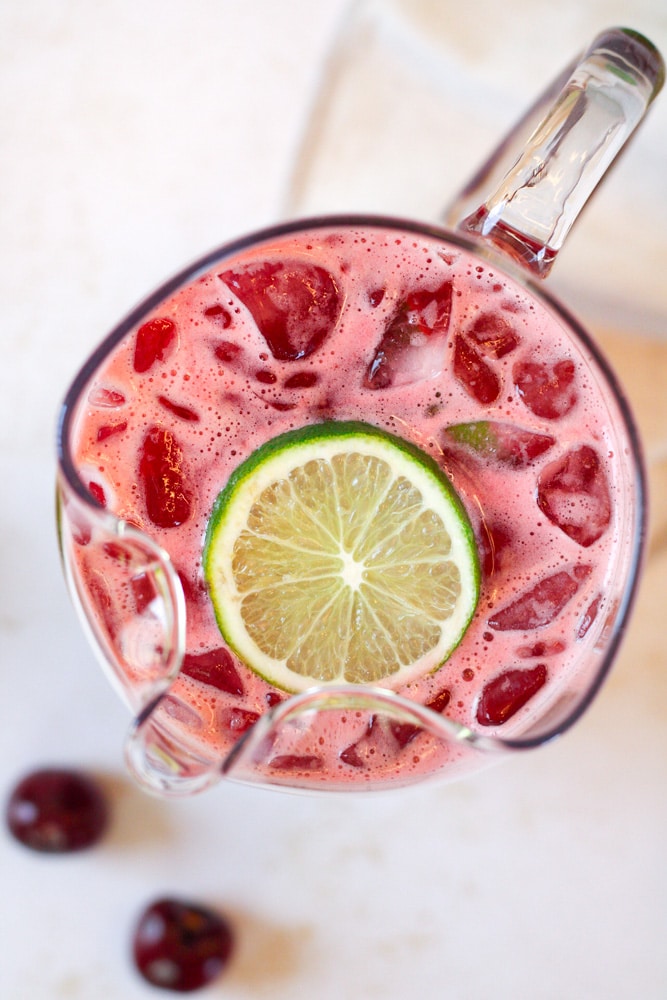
[[57, 811], [180, 946]]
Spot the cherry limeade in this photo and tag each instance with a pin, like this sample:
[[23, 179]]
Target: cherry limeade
[[413, 335]]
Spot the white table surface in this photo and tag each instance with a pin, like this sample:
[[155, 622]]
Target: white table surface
[[135, 136]]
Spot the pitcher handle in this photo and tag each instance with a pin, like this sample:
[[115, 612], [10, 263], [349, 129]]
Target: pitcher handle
[[526, 197]]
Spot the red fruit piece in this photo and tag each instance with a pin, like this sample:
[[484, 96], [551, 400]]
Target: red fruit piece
[[98, 493], [194, 590], [361, 753], [301, 380], [100, 598], [185, 714], [182, 412], [227, 352], [405, 732], [494, 546], [548, 390], [180, 946], [57, 811], [477, 378], [296, 762], [382, 734], [294, 305], [351, 756], [504, 443], [542, 603], [143, 590], [573, 492], [214, 667], [162, 477], [237, 720], [220, 314], [414, 344], [503, 696], [493, 334], [107, 398], [550, 648], [154, 339], [108, 430], [589, 617]]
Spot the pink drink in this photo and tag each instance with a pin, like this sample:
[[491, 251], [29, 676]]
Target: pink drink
[[411, 333]]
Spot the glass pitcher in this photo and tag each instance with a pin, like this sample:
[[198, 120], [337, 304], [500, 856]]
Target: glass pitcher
[[455, 347]]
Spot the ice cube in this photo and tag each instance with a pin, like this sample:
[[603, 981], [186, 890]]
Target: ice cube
[[547, 389], [101, 395], [493, 334], [295, 305], [474, 373], [494, 545], [589, 616], [214, 667], [413, 346], [542, 603], [505, 694], [153, 343], [573, 493], [162, 478], [504, 443]]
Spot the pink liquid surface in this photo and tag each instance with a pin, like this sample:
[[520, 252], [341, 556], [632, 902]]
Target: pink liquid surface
[[414, 336]]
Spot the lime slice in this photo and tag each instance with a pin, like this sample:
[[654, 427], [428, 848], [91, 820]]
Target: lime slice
[[338, 553]]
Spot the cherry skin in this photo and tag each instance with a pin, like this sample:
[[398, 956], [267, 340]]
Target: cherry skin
[[57, 811], [180, 946]]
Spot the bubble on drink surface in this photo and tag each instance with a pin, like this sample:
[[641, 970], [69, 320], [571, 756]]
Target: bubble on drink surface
[[573, 492], [413, 346], [295, 305]]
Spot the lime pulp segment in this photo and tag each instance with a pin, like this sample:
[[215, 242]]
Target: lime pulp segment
[[339, 553]]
